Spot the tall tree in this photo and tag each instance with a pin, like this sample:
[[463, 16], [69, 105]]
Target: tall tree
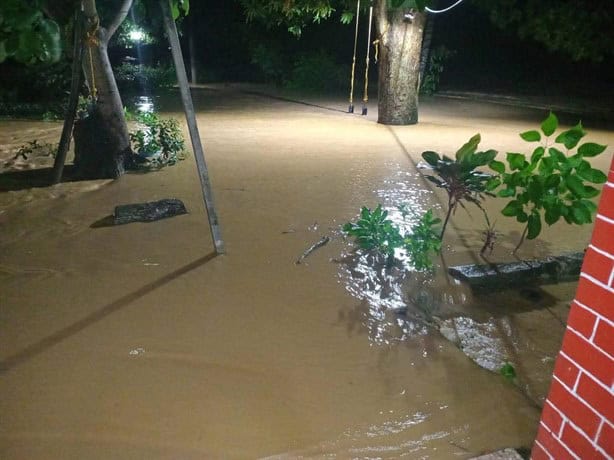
[[102, 143]]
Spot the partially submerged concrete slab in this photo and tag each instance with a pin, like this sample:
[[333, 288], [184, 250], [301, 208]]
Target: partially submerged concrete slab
[[555, 269]]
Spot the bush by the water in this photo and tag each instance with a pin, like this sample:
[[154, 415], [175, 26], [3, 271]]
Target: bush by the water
[[134, 77]]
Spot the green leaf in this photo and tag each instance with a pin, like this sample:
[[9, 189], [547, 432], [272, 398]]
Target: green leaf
[[552, 181], [575, 185], [522, 217], [516, 160], [531, 136], [557, 155], [482, 158], [513, 208], [590, 192], [552, 215], [497, 166], [431, 158], [580, 213], [546, 165], [492, 184], [468, 148], [507, 192], [576, 161], [592, 207], [50, 40], [534, 226], [550, 124], [592, 175], [538, 153], [571, 137], [590, 149], [535, 190]]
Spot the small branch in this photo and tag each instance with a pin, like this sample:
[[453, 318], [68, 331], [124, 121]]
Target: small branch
[[312, 248], [119, 18], [524, 234], [451, 207]]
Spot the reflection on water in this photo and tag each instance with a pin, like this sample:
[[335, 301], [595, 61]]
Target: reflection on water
[[386, 316], [144, 104]]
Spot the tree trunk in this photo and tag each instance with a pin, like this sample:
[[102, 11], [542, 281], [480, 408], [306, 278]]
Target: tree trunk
[[102, 143], [400, 43]]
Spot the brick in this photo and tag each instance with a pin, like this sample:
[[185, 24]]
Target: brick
[[606, 439], [596, 297], [578, 412], [537, 453], [606, 203], [581, 320], [604, 337], [551, 418], [598, 397], [597, 265], [552, 445], [581, 446], [588, 357], [566, 371], [602, 235]]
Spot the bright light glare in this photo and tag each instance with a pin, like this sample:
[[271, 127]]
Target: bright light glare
[[136, 35]]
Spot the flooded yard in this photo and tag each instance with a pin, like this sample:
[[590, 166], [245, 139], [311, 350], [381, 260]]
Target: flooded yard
[[136, 341]]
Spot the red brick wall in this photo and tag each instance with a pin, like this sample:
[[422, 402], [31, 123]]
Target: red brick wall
[[578, 417]]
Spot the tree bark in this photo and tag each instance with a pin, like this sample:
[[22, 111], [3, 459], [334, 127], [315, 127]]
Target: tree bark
[[400, 43], [102, 143]]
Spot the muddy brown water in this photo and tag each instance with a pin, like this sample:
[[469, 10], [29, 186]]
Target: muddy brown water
[[137, 342]]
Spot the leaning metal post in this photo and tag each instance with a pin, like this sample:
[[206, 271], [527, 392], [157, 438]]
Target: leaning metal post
[[186, 98]]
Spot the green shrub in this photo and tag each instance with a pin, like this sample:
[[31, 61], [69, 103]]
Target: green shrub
[[373, 231], [459, 177], [317, 72], [157, 142], [272, 62], [135, 77], [550, 184], [434, 69]]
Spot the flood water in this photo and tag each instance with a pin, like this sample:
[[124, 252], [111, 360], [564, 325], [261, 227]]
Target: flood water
[[136, 341]]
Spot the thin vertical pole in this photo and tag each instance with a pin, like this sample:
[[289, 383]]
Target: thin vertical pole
[[351, 106], [186, 98], [365, 98]]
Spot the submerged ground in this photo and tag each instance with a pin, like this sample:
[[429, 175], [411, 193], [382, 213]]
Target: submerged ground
[[135, 341]]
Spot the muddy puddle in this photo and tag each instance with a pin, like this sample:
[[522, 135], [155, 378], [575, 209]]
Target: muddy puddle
[[136, 341]]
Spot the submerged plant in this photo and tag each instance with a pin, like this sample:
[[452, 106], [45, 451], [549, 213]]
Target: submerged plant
[[423, 241], [460, 177], [551, 184], [375, 232]]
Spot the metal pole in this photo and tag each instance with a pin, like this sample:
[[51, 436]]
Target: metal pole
[[186, 98], [365, 98], [351, 107]]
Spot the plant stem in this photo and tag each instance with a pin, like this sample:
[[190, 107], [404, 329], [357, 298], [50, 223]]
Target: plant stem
[[524, 234], [445, 222]]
